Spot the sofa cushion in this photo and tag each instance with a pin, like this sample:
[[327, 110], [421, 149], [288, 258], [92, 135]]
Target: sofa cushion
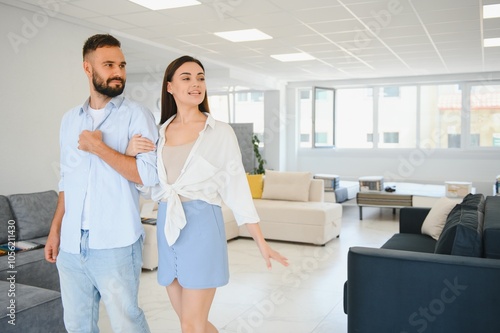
[[411, 242], [292, 212], [434, 221], [36, 310], [33, 213], [293, 186], [256, 183], [5, 217], [463, 231], [491, 230]]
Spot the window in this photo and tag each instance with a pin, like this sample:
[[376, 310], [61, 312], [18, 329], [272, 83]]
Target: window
[[485, 116], [305, 109], [240, 107], [397, 117], [323, 115], [251, 110], [391, 137], [462, 115], [440, 116], [354, 117], [219, 107]]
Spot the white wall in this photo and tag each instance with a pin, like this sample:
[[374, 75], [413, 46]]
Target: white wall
[[42, 78]]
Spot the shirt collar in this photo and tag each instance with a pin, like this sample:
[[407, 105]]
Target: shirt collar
[[115, 103]]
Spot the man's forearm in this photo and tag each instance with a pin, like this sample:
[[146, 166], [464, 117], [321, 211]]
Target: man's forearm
[[123, 164]]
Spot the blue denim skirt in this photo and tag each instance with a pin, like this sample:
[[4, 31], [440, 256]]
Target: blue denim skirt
[[198, 259]]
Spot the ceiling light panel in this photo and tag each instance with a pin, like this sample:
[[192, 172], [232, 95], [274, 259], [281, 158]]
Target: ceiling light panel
[[491, 42], [491, 11], [165, 4], [247, 35], [292, 57]]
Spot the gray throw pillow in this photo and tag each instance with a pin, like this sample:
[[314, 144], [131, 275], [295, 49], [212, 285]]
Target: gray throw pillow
[[33, 213], [5, 217]]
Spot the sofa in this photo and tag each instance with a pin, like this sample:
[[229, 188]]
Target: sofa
[[29, 285], [285, 216], [416, 283], [291, 208]]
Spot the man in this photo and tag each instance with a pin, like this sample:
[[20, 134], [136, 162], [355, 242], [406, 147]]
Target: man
[[96, 233]]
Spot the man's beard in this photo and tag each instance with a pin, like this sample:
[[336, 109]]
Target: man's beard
[[103, 87]]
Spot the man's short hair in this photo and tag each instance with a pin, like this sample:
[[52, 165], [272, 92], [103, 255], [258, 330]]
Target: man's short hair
[[97, 41]]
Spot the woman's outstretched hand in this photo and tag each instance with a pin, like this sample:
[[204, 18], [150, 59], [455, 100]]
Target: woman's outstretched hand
[[268, 253], [138, 145]]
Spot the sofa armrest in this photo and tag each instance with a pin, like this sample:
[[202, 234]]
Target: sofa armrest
[[317, 190], [411, 219], [404, 291]]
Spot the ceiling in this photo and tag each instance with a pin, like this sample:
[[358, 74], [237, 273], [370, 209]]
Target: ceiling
[[348, 38]]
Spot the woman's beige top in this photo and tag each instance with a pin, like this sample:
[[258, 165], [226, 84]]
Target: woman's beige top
[[174, 158]]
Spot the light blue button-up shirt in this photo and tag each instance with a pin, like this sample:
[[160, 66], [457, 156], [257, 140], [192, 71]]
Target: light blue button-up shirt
[[114, 218]]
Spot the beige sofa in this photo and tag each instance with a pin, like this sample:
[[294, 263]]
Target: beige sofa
[[313, 221]]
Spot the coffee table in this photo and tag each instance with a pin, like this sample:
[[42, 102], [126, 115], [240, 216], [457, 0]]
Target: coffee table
[[406, 195]]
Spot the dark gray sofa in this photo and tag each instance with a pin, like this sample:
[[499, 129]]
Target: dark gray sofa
[[406, 287], [29, 285]]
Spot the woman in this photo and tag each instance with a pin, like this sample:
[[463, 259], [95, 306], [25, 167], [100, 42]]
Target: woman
[[199, 167]]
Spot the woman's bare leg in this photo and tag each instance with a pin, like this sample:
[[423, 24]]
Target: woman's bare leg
[[192, 307]]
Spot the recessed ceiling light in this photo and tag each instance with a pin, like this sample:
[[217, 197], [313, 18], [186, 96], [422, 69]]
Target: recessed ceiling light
[[491, 11], [243, 35], [292, 57], [490, 42], [165, 4]]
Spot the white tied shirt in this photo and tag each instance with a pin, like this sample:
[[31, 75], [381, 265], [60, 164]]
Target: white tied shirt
[[213, 172]]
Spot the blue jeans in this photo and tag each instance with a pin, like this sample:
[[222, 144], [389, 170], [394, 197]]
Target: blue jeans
[[111, 275]]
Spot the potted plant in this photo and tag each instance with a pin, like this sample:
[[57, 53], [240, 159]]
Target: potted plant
[[259, 170]]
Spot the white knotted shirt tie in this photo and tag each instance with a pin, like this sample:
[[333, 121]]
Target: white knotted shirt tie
[[175, 218]]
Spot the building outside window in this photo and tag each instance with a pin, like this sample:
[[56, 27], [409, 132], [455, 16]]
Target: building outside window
[[354, 118], [324, 117], [397, 117]]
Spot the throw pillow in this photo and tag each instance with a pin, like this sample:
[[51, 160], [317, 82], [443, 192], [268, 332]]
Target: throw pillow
[[33, 213], [256, 183], [292, 186], [6, 216], [435, 220], [462, 233]]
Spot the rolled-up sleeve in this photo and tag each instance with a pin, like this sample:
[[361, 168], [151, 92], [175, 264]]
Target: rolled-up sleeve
[[144, 124]]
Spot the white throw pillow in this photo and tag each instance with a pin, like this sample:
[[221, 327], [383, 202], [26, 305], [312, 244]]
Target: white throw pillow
[[292, 186], [434, 222]]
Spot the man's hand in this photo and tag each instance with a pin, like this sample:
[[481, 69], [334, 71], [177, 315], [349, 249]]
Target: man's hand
[[52, 247], [138, 145], [89, 140]]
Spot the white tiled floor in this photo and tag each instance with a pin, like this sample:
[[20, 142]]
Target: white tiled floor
[[306, 297]]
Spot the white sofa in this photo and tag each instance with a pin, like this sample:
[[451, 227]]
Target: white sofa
[[313, 221]]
